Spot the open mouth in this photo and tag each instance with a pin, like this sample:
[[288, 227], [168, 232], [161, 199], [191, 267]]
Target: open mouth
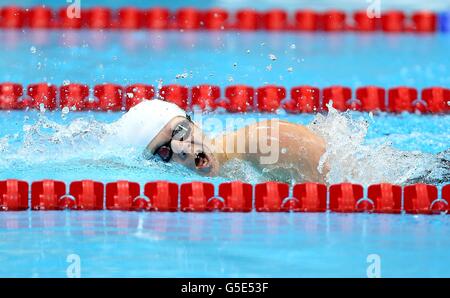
[[201, 160]]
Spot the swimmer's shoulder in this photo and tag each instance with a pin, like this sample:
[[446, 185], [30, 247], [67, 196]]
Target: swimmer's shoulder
[[273, 122], [280, 123]]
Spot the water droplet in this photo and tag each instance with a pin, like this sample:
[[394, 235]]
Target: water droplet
[[181, 76], [33, 50], [272, 57]]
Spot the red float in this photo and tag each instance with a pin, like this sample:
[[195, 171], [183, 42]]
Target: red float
[[196, 196], [43, 96], [364, 23], [312, 197], [393, 21], [160, 18], [247, 19], [404, 99], [109, 97], [175, 93], [269, 98], [371, 98], [273, 197], [237, 196], [129, 18], [68, 20], [307, 20], [163, 195], [240, 98], [216, 19], [157, 18], [48, 195], [275, 19], [424, 22], [446, 193], [10, 95], [340, 96], [98, 18], [136, 93], [40, 17], [437, 99], [304, 99], [188, 18], [12, 17], [88, 194], [387, 198], [205, 97], [124, 195], [13, 195], [347, 197], [74, 96], [423, 199], [334, 20]]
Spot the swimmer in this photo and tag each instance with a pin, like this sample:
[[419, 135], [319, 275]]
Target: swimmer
[[283, 151]]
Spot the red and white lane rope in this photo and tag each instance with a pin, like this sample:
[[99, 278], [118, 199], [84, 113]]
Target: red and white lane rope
[[230, 196], [233, 99], [157, 18]]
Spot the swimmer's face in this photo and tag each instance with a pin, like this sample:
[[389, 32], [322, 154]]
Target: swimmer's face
[[183, 142]]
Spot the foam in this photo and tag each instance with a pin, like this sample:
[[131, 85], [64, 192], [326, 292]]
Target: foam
[[351, 158]]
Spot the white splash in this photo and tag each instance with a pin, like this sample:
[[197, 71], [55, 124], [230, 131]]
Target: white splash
[[84, 144], [350, 158]]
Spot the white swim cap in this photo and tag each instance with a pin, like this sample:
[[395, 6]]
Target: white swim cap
[[140, 125]]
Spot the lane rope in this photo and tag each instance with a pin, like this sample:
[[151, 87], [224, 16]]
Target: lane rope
[[233, 99], [236, 196], [189, 18]]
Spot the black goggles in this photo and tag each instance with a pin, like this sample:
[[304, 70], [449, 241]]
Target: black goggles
[[181, 132]]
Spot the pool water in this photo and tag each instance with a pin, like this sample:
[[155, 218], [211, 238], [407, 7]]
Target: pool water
[[71, 146], [131, 244], [225, 58]]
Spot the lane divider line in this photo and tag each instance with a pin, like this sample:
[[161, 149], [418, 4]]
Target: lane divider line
[[233, 196], [233, 99], [189, 18]]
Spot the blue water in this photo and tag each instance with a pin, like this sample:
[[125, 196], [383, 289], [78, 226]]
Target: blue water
[[222, 245], [71, 146], [225, 58]]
